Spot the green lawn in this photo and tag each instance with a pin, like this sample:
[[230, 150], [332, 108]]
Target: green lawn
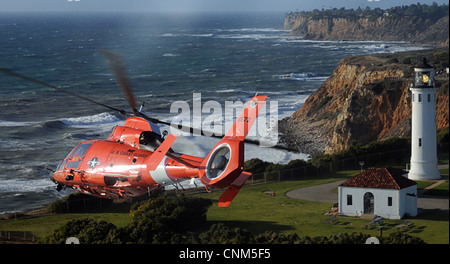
[[44, 225], [254, 210]]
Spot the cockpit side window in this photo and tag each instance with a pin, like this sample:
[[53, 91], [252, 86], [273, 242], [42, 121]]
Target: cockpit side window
[[150, 140], [63, 163], [78, 155]]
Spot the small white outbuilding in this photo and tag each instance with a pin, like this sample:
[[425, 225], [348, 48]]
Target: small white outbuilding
[[379, 191]]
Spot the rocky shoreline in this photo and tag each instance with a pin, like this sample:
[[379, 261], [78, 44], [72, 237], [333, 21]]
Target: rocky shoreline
[[301, 137], [366, 99], [415, 24]]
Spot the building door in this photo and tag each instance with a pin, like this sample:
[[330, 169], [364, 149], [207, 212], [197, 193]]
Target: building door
[[368, 203]]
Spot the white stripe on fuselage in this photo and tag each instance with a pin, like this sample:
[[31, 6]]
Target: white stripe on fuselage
[[160, 174]]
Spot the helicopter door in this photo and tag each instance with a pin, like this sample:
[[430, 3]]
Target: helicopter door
[[77, 156]]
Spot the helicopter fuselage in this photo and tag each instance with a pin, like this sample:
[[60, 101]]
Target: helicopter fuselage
[[122, 165], [111, 169]]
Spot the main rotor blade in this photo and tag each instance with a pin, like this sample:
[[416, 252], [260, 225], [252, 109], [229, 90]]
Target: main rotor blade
[[115, 61], [15, 74], [194, 131]]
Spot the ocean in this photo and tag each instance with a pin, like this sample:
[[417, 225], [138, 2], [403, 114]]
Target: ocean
[[168, 57]]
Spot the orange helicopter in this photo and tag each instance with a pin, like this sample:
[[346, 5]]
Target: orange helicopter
[[136, 160]]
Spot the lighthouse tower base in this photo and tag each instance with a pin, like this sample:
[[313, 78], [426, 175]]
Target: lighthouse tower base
[[424, 171]]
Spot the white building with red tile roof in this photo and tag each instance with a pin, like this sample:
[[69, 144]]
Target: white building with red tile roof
[[379, 191]]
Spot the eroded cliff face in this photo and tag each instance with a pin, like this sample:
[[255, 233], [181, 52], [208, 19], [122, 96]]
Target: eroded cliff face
[[360, 102], [413, 30]]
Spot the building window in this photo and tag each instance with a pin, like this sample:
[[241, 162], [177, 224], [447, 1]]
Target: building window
[[429, 97], [349, 199], [420, 142], [389, 201], [420, 98]]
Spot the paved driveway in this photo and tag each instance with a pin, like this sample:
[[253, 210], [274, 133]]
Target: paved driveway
[[325, 193]]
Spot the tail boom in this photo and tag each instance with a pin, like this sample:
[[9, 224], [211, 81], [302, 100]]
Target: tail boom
[[224, 165]]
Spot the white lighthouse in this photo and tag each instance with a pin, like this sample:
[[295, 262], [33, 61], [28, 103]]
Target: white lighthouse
[[423, 125]]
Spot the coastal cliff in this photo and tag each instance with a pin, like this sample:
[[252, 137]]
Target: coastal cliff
[[379, 25], [365, 99]]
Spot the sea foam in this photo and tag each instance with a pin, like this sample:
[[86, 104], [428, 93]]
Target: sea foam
[[91, 120]]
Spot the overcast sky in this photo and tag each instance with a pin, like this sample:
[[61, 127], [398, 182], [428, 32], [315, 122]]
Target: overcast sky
[[198, 5]]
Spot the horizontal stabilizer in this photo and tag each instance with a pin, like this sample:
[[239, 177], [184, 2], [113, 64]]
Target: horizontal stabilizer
[[233, 189], [160, 152]]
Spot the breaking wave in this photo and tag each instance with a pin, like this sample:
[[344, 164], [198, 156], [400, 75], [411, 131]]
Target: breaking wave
[[97, 119], [91, 120], [303, 76]]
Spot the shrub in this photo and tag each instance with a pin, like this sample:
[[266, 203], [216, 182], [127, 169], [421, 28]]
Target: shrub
[[401, 238], [219, 234], [442, 136], [88, 231], [156, 221]]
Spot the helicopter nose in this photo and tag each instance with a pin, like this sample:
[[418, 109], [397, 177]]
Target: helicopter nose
[[59, 185], [51, 177]]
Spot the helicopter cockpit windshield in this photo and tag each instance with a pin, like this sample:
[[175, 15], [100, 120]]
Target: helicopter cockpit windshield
[[75, 157]]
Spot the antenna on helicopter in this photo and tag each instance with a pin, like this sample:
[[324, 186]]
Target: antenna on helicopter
[[142, 106]]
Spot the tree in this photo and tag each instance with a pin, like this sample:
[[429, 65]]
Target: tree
[[87, 230], [161, 220], [255, 165], [158, 220]]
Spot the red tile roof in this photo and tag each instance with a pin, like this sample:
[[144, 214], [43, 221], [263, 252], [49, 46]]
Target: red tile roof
[[384, 178]]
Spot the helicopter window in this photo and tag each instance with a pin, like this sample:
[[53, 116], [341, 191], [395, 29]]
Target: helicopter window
[[63, 163], [149, 137], [78, 155], [150, 140]]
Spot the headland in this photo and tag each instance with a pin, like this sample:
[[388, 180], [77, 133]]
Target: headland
[[365, 99]]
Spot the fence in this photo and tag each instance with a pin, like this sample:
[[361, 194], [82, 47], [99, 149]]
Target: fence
[[19, 237], [351, 163]]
